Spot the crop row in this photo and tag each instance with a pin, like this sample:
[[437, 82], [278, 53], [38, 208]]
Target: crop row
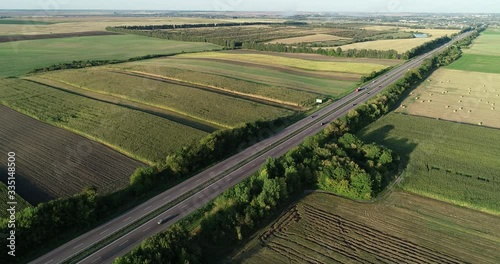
[[142, 136], [203, 105]]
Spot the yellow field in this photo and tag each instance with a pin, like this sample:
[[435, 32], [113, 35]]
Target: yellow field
[[83, 24], [349, 67], [310, 38], [400, 45], [462, 96]]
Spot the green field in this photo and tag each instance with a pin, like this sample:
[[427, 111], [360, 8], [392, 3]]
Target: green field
[[275, 77], [486, 44], [478, 63], [21, 203], [20, 57], [139, 135], [402, 228], [218, 109], [453, 162], [482, 56], [310, 65], [256, 88]]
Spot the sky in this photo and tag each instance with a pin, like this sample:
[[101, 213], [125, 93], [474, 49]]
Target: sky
[[376, 6]]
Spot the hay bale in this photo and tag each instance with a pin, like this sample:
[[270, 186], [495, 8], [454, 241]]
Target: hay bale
[[480, 123]]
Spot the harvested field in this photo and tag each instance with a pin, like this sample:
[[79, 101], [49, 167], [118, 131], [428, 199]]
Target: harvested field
[[73, 24], [52, 162], [209, 106], [140, 135], [400, 45], [20, 57], [461, 96], [315, 82], [452, 162], [402, 228], [321, 66], [10, 38], [310, 38]]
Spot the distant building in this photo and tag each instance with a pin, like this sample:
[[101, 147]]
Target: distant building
[[319, 101]]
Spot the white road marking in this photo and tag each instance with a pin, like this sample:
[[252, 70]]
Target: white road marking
[[147, 208], [78, 245], [95, 260], [183, 188], [49, 261], [198, 180], [168, 196], [146, 229], [104, 231], [123, 243], [184, 206], [127, 219]]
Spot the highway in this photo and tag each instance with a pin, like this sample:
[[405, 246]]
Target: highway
[[228, 172]]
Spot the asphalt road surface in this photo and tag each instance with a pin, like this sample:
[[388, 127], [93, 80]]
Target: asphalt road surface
[[230, 171]]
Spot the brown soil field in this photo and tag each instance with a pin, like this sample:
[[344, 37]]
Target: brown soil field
[[52, 162], [455, 95], [401, 228], [10, 38]]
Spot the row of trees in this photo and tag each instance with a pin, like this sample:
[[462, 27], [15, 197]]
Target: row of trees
[[338, 52], [344, 165], [92, 63], [49, 223], [334, 160], [163, 27]]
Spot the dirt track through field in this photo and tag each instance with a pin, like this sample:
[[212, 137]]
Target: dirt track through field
[[213, 90], [52, 162], [10, 38]]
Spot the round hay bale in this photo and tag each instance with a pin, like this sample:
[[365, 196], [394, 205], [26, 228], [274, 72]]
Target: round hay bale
[[447, 106], [480, 123]]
